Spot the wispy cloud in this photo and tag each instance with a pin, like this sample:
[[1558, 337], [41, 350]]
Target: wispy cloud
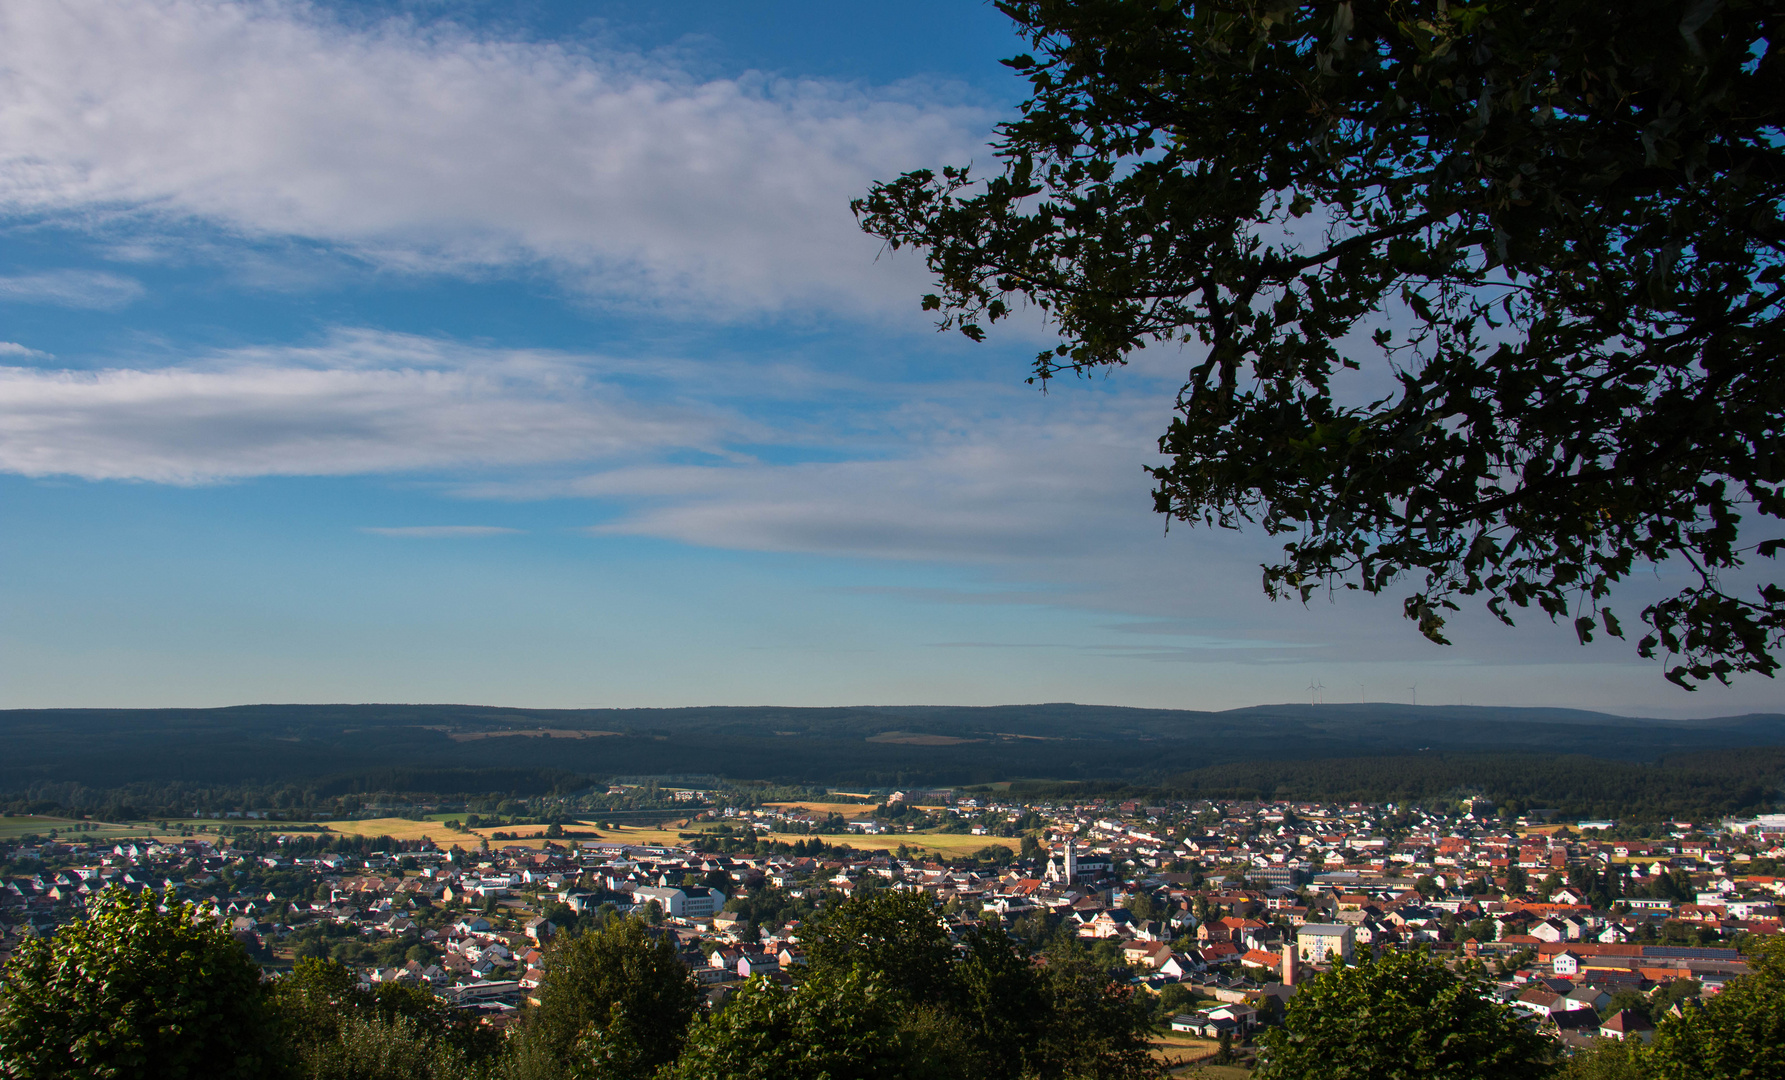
[[91, 289], [430, 149], [993, 489], [442, 532], [13, 348], [360, 403]]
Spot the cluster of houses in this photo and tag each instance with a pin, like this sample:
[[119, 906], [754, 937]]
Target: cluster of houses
[[1238, 902]]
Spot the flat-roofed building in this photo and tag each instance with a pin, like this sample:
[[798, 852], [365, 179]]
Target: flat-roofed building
[[1319, 942]]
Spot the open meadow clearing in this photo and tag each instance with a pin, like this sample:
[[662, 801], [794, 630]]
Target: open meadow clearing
[[670, 834], [847, 809], [1175, 1047], [944, 844], [11, 828], [396, 829]]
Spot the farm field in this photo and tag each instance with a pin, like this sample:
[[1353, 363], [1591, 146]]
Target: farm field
[[940, 843], [944, 844], [1172, 1047], [26, 824], [395, 828], [845, 808]]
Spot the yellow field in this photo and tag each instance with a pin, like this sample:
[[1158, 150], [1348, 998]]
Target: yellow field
[[845, 808], [940, 843], [534, 733], [1173, 1047], [534, 835], [396, 829], [944, 844], [909, 738]]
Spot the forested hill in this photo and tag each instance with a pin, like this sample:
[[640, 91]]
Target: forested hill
[[430, 747]]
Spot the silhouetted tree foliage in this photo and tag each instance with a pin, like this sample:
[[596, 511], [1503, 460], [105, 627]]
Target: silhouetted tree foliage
[[1560, 223]]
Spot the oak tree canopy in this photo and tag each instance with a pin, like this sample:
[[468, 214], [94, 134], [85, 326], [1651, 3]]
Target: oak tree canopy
[[1551, 230]]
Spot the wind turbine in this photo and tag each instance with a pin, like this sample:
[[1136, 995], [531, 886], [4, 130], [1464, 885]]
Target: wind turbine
[[1415, 689], [1321, 690], [1311, 691]]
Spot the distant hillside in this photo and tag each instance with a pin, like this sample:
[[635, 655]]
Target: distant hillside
[[364, 747]]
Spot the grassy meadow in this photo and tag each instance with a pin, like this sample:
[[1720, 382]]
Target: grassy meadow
[[11, 828]]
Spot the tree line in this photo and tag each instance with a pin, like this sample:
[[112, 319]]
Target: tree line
[[145, 991], [1692, 786], [1696, 786]]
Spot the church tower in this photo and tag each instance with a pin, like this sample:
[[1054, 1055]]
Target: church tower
[[1062, 866]]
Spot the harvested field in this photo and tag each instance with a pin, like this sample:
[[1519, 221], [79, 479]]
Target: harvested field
[[395, 828], [908, 738], [1175, 1048], [941, 844], [945, 844], [531, 733], [847, 809]]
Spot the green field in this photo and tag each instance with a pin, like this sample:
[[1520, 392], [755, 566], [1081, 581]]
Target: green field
[[11, 828]]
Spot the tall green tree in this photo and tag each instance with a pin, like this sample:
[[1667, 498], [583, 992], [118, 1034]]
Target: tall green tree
[[1607, 1059], [631, 995], [134, 993], [376, 1049], [1402, 1017], [1739, 1032], [895, 935], [1089, 1025], [330, 1027], [1557, 226], [835, 1024], [887, 994]]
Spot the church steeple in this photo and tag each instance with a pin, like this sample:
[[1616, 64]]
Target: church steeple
[[1062, 865]]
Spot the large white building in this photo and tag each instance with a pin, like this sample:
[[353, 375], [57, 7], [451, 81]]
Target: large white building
[[682, 903]]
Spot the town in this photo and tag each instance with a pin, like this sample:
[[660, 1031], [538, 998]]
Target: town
[[1215, 910]]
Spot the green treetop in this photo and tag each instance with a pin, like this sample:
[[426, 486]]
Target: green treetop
[[1402, 1017], [619, 994], [134, 993]]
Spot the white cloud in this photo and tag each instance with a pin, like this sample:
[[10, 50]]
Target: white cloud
[[1008, 492], [441, 532], [13, 348], [430, 149], [71, 288], [360, 403]]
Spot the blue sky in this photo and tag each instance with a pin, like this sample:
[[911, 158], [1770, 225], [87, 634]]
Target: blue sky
[[527, 354]]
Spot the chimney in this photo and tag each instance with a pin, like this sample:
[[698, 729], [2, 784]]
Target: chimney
[[1289, 963]]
